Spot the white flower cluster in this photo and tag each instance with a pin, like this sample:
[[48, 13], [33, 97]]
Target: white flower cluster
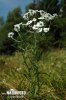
[[29, 13], [31, 21], [36, 24], [42, 13], [40, 25]]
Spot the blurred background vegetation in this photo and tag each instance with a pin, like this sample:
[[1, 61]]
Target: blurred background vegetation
[[51, 49]]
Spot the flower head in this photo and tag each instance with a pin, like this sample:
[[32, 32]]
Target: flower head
[[36, 23], [29, 22], [10, 35], [40, 24], [17, 27], [46, 30]]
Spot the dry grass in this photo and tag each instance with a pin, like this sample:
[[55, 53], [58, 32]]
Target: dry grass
[[53, 67]]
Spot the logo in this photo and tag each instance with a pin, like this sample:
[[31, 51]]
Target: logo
[[13, 93]]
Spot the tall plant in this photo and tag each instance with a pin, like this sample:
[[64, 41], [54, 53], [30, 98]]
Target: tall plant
[[36, 25]]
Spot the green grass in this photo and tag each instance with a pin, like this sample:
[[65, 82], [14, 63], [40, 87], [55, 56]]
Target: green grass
[[52, 69]]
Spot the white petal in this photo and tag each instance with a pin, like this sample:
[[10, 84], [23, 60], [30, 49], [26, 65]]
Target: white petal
[[40, 30], [46, 30]]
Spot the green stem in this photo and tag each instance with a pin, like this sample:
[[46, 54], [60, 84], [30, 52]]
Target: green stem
[[35, 43]]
